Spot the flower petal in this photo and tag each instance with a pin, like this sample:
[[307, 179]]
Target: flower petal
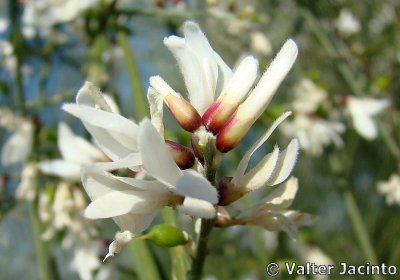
[[65, 169], [262, 172], [193, 184], [135, 223], [156, 158], [113, 204], [287, 160], [132, 161], [18, 147], [156, 102], [282, 197], [74, 148], [91, 96], [197, 208], [246, 158], [114, 134], [97, 184]]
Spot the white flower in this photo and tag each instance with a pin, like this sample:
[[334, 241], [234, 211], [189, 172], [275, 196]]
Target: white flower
[[272, 214], [362, 110], [347, 24], [64, 212], [308, 96], [41, 15], [313, 254], [260, 43], [390, 189], [115, 135], [85, 262], [216, 92], [314, 133], [203, 69], [27, 188], [75, 151], [19, 145], [134, 203], [272, 169]]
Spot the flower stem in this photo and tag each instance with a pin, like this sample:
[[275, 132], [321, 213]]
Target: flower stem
[[342, 67], [42, 256], [146, 268], [211, 159], [138, 93], [16, 39], [360, 230]]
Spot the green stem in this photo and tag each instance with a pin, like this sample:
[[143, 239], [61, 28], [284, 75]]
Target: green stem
[[360, 230], [211, 159], [17, 42], [342, 67], [42, 256], [389, 141], [138, 93], [146, 268]]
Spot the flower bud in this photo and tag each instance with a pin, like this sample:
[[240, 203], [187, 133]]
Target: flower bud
[[223, 218], [248, 112], [234, 92], [196, 148], [183, 112], [182, 155], [121, 240], [165, 235], [228, 192]]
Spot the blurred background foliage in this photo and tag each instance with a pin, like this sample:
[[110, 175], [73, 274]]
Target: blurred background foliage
[[114, 43]]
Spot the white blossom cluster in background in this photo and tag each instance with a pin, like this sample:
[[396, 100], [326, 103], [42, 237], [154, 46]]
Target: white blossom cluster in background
[[18, 145], [314, 132]]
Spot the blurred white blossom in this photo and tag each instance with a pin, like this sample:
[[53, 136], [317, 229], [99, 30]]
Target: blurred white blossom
[[63, 211], [347, 24], [19, 145], [362, 111], [308, 96], [313, 131], [40, 15], [75, 151], [390, 189], [27, 188], [260, 43]]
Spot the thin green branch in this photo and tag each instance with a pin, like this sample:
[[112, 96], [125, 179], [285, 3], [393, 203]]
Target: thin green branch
[[42, 255], [17, 42], [138, 94], [211, 160], [360, 230], [143, 259], [324, 40]]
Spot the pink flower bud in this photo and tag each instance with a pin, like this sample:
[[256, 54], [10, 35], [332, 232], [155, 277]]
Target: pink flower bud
[[233, 93], [183, 112], [227, 192], [250, 110], [182, 155]]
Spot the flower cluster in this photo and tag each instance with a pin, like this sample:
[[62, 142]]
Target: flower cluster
[[222, 106]]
